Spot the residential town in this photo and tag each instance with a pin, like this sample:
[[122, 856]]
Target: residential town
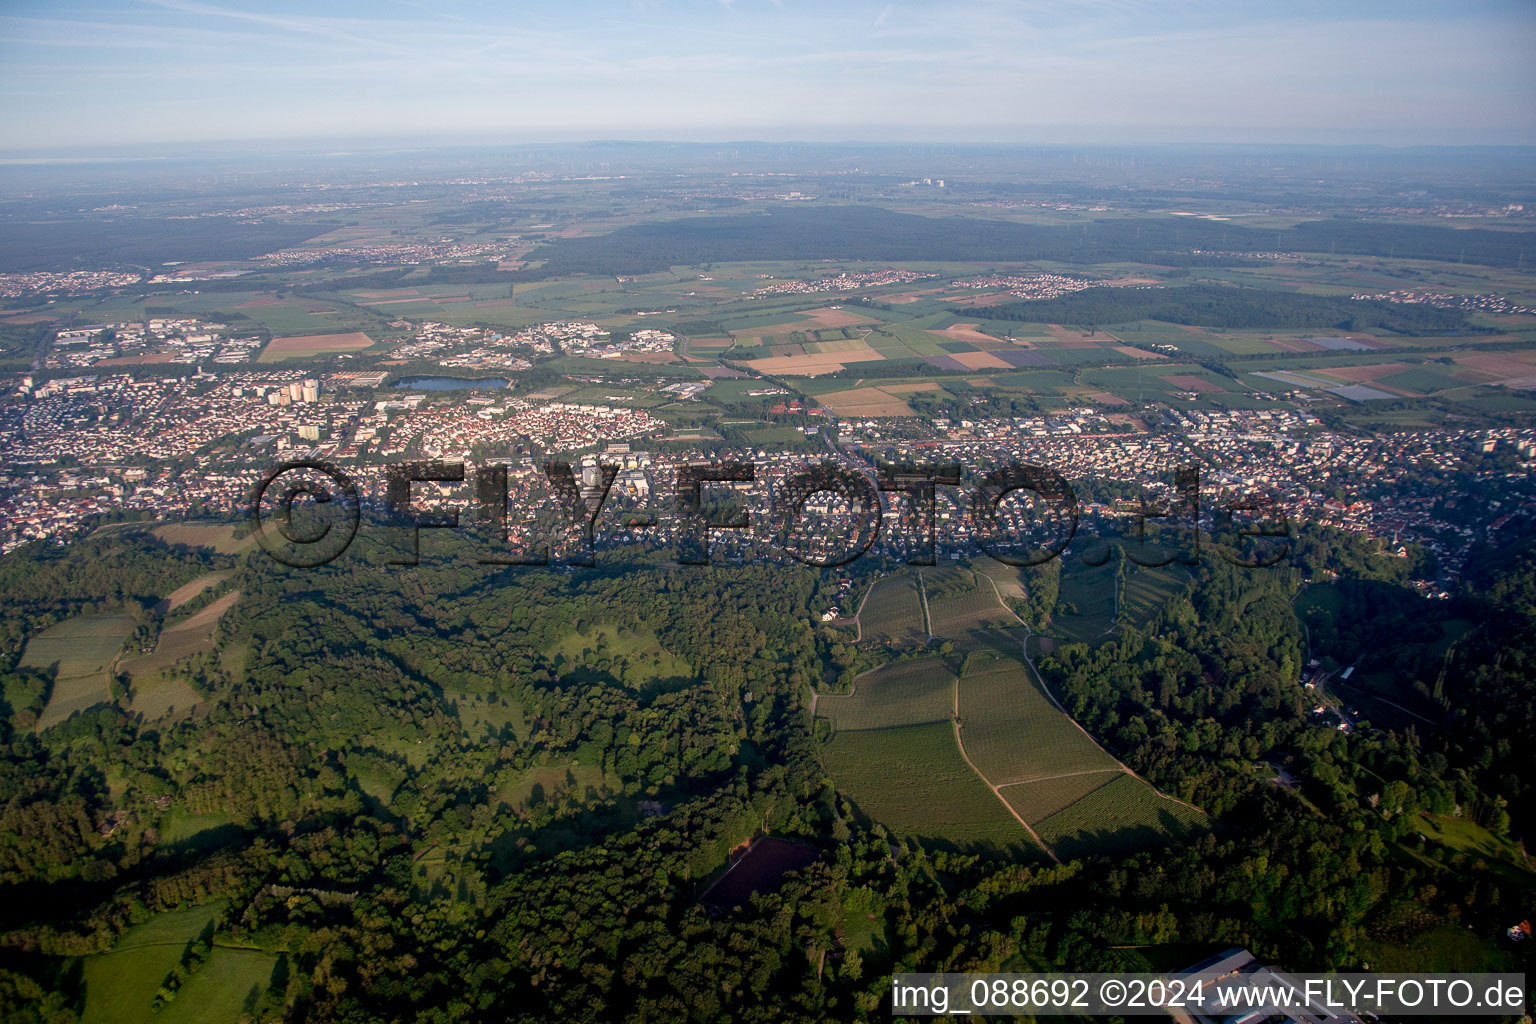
[[89, 448]]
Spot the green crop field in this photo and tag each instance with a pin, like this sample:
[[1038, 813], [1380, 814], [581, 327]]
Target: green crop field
[[78, 650], [1121, 816], [1085, 604], [914, 782], [900, 693], [959, 600], [1013, 732], [634, 656], [1424, 380], [1147, 590], [120, 984], [1036, 801], [1009, 579], [893, 612]]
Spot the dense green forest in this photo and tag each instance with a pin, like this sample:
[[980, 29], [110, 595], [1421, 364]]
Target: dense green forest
[[1219, 306], [451, 793], [870, 233], [57, 244]]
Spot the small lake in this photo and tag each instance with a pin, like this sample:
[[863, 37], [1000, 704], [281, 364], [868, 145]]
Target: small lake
[[451, 383]]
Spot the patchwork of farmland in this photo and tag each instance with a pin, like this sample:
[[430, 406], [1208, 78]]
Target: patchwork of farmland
[[1011, 729], [78, 651], [1121, 816], [893, 612], [1038, 800], [1085, 603], [960, 600], [1146, 590], [900, 693], [914, 782]]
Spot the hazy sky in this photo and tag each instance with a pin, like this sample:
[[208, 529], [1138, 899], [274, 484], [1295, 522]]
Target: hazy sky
[[1403, 72]]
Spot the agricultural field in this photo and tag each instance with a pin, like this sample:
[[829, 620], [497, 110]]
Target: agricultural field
[[1121, 816], [307, 346], [1086, 601], [1038, 800], [218, 536], [914, 782], [78, 651], [869, 401], [893, 611], [187, 591], [1008, 579], [1011, 729], [959, 601], [120, 985], [899, 693], [1145, 590], [155, 693]]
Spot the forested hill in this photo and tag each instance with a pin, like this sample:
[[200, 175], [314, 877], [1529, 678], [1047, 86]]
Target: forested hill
[[1221, 306], [457, 793], [798, 232]]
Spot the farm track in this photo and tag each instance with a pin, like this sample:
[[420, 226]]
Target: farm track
[[996, 790], [1066, 775], [1024, 649], [1121, 767]]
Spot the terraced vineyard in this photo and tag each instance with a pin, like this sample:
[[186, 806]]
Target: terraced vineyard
[[1146, 590], [1121, 816], [898, 758], [78, 650], [900, 693], [1036, 801], [893, 612], [1009, 579], [913, 781], [960, 601], [1085, 606], [1012, 731]]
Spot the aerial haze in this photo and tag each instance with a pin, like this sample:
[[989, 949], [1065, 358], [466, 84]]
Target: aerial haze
[[79, 74]]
